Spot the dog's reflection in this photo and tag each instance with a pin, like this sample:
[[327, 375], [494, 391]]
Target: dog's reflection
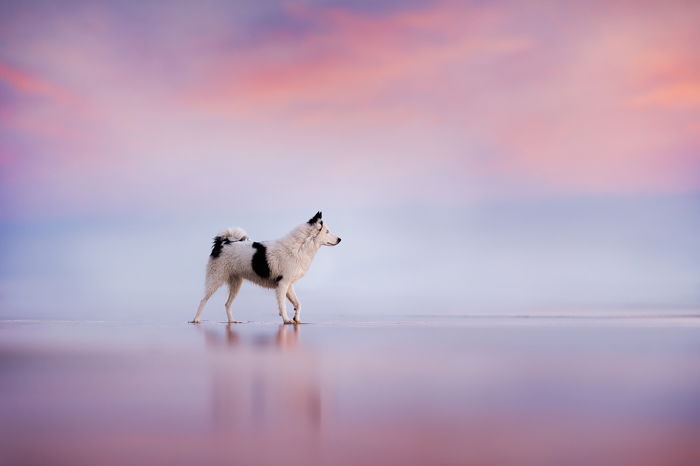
[[286, 337], [267, 381]]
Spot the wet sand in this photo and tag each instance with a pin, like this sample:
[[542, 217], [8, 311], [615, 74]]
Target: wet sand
[[459, 390]]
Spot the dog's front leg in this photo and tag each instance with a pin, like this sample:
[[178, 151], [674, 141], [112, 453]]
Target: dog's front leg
[[281, 292], [292, 297]]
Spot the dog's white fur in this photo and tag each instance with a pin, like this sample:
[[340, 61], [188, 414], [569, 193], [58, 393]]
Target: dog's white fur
[[289, 258]]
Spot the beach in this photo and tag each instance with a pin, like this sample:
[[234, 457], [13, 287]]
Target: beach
[[545, 390]]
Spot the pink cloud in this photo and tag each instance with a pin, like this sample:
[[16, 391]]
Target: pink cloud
[[585, 120], [34, 86], [356, 57], [446, 103]]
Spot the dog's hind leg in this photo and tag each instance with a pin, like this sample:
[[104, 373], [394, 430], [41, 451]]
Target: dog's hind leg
[[292, 297], [210, 289], [281, 292], [234, 285]]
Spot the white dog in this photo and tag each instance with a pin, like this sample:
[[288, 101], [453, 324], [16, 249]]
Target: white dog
[[271, 264]]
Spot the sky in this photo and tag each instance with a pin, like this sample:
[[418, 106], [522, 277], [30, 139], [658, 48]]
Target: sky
[[473, 155]]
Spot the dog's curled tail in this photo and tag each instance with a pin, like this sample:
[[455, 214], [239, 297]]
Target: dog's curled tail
[[234, 234], [227, 237]]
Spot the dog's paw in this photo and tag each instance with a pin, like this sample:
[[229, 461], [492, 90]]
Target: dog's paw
[[193, 322], [288, 322]]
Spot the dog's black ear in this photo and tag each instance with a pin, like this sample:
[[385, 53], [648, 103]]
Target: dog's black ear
[[315, 218]]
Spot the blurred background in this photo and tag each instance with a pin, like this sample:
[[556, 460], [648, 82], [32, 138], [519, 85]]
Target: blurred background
[[476, 157]]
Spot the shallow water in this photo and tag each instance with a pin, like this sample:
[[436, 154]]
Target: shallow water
[[453, 390]]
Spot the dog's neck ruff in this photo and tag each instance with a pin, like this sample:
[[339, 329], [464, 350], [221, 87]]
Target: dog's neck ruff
[[302, 242]]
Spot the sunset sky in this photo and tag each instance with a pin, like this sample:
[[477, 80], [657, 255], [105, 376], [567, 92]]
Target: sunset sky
[[144, 117]]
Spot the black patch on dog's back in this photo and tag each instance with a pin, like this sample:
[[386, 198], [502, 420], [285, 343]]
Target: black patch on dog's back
[[260, 265], [219, 242]]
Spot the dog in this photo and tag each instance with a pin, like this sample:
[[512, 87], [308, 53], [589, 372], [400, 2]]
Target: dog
[[271, 264]]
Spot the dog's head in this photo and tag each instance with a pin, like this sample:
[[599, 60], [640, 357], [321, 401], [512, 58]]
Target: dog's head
[[324, 235]]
